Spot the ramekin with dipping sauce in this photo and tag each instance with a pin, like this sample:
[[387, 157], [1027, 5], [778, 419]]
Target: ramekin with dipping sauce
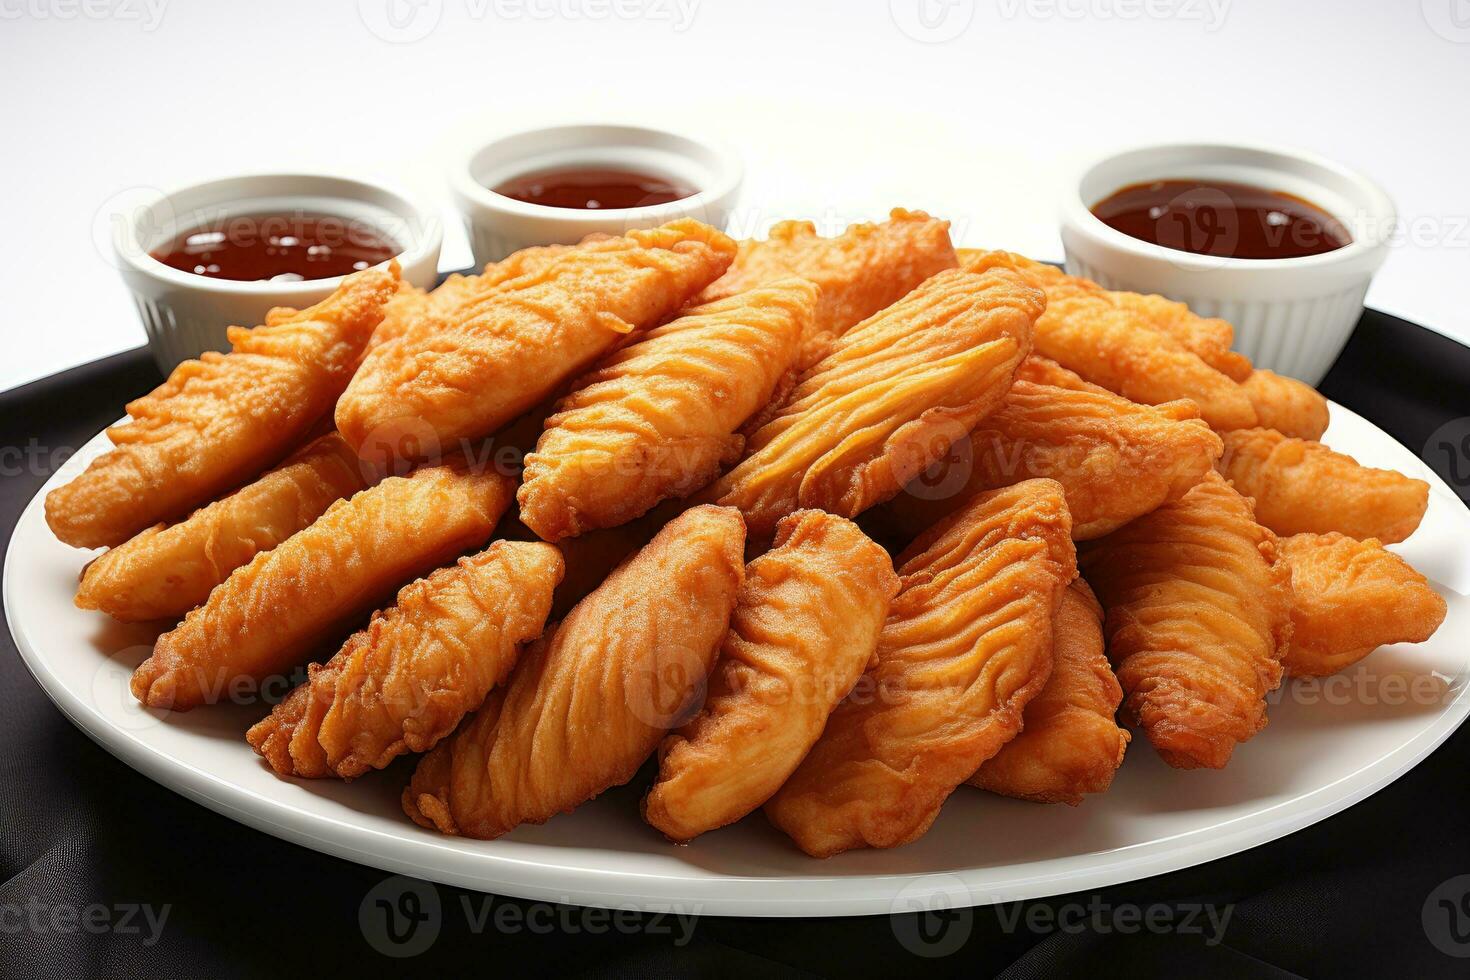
[[559, 184], [223, 252], [1292, 312]]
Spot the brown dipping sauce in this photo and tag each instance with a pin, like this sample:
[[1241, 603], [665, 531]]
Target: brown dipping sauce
[[594, 188], [278, 247], [1220, 218]]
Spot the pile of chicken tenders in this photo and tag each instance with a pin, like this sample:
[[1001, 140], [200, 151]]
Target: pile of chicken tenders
[[831, 526]]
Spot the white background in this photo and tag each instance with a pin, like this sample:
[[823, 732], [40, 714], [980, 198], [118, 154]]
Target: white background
[[977, 112]]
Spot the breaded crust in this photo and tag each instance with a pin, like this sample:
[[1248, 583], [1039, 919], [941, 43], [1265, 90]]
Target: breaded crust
[[1070, 745], [421, 665], [268, 615], [1198, 618], [892, 396], [803, 631], [470, 372], [658, 418], [220, 421], [1301, 486], [591, 699], [967, 645]]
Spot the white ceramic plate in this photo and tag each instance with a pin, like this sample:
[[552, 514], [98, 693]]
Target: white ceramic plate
[[1327, 747]]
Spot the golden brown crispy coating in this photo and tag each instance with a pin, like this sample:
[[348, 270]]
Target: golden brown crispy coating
[[421, 665], [1209, 338], [415, 308], [1351, 597], [1302, 486], [1044, 371], [490, 359], [412, 307], [1115, 459], [967, 644], [658, 418], [169, 569], [1198, 617], [1122, 342], [890, 398], [219, 421], [803, 631], [1291, 407], [1070, 745], [270, 613], [593, 696], [861, 271]]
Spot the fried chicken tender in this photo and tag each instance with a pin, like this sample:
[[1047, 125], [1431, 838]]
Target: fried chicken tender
[[1070, 745], [1302, 486], [1349, 598], [1145, 348], [594, 695], [1198, 618], [1115, 459], [1291, 407], [803, 631], [270, 613], [658, 418], [492, 358], [169, 569], [892, 396], [1209, 338], [417, 309], [967, 645], [861, 271], [413, 308], [421, 665], [221, 420]]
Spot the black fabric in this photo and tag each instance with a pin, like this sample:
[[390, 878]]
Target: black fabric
[[1368, 892]]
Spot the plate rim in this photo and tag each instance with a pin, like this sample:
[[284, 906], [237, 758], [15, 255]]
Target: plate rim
[[712, 894]]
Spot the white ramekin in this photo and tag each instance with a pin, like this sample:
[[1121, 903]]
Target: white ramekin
[[499, 225], [1290, 315], [185, 315]]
